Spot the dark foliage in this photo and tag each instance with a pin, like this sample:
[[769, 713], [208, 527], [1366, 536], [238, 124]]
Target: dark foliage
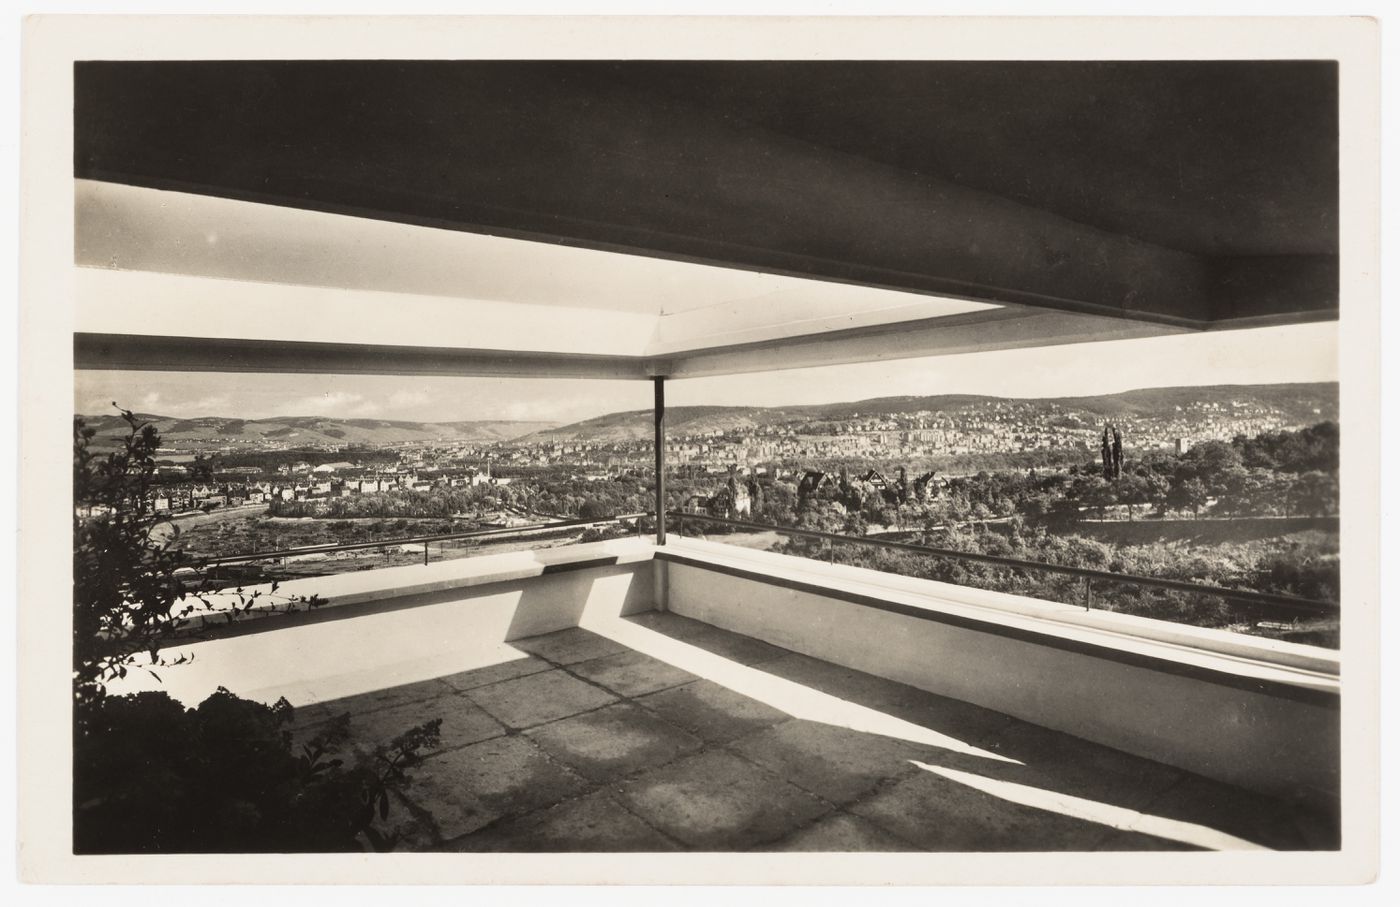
[[151, 776], [1314, 449]]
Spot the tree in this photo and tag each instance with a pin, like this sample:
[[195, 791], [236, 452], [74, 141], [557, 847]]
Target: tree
[[780, 504], [1188, 494], [1244, 492], [150, 775], [1095, 492], [1315, 494], [1111, 452], [202, 468], [132, 591], [1133, 490], [1214, 463], [594, 509]]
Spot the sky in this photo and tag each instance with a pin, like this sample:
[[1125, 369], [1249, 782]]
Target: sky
[[1301, 353]]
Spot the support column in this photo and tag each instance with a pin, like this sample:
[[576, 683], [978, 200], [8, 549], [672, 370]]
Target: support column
[[659, 417]]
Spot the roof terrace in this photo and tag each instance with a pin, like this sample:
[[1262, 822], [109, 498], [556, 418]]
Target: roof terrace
[[672, 734], [623, 696], [654, 221]]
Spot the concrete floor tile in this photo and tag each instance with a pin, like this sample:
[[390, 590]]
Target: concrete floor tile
[[1070, 765], [663, 756], [538, 698], [468, 788], [505, 670], [716, 801], [842, 833], [463, 722], [613, 742], [594, 823], [938, 814], [387, 697], [413, 834], [1320, 829], [1244, 814], [631, 673], [837, 764], [1136, 842], [714, 713], [568, 646], [304, 735], [667, 623]]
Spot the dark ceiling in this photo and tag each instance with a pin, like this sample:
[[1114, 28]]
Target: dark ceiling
[[1213, 158], [1202, 192]]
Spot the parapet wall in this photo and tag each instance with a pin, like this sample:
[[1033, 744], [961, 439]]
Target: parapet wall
[[384, 628], [1218, 704]]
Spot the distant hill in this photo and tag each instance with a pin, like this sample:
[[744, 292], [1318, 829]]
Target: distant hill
[[636, 425], [317, 430], [1300, 403], [1294, 402]]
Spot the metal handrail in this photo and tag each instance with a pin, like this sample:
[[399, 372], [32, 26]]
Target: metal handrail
[[411, 540], [1308, 605]]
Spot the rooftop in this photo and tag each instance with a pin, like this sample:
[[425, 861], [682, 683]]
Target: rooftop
[[670, 734]]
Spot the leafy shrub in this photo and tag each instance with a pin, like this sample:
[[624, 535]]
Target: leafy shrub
[[594, 509], [131, 589], [151, 776]]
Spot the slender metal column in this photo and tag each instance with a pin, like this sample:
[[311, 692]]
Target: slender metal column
[[659, 415]]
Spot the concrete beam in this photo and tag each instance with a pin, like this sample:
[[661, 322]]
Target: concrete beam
[[1010, 327], [135, 352]]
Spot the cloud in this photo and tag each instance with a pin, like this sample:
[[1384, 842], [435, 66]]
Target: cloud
[[406, 399], [338, 404], [149, 401], [214, 405]]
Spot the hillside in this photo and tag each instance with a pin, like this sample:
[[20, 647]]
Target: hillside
[[318, 430], [1295, 402], [1300, 403], [636, 425]]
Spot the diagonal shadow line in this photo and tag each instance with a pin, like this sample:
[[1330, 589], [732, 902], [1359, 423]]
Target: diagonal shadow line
[[1121, 796], [796, 699], [1117, 817]]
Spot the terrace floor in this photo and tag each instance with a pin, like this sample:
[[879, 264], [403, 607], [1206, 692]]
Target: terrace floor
[[693, 738]]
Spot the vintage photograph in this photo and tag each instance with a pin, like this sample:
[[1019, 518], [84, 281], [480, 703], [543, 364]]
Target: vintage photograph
[[694, 455]]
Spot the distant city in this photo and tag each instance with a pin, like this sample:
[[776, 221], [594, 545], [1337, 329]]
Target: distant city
[[221, 461]]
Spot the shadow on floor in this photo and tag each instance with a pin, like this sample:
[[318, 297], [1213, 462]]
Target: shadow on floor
[[582, 743]]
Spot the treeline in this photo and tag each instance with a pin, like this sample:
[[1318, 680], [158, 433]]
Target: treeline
[[270, 460], [552, 494], [1274, 474], [438, 503], [1310, 569]]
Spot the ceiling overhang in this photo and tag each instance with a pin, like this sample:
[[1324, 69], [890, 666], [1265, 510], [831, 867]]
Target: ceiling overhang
[[857, 253]]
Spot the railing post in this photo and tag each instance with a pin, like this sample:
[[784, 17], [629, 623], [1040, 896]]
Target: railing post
[[1088, 593], [659, 440], [425, 554]]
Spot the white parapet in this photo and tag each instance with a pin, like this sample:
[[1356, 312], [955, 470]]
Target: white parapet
[[1257, 713]]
